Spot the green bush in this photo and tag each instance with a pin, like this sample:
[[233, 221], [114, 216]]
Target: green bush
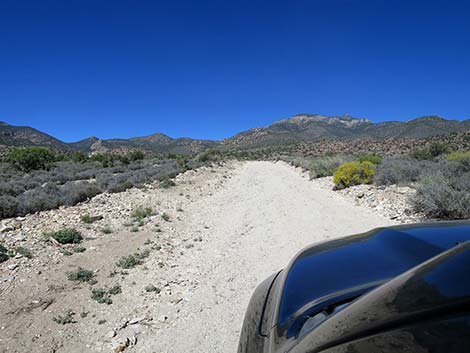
[[327, 166], [79, 157], [443, 196], [354, 173], [66, 236], [116, 289], [457, 156], [81, 275], [132, 261], [152, 288], [210, 156], [403, 170], [31, 158], [431, 152], [24, 252], [167, 183], [102, 296], [373, 158], [438, 148], [135, 156], [4, 256], [66, 319], [120, 187], [140, 212], [79, 249]]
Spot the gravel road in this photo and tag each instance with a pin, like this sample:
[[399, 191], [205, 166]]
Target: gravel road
[[263, 216]]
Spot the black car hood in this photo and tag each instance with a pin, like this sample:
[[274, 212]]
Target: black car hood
[[347, 268], [437, 288]]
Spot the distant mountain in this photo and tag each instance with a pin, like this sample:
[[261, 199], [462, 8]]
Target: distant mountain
[[158, 142], [87, 145], [24, 136], [306, 127], [302, 127], [27, 136]]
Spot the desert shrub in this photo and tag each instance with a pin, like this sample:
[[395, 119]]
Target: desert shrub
[[135, 156], [138, 213], [88, 218], [24, 252], [372, 157], [119, 187], [8, 206], [39, 199], [81, 275], [182, 162], [456, 156], [128, 262], [460, 161], [70, 182], [401, 170], [431, 152], [210, 156], [73, 192], [66, 319], [106, 159], [79, 157], [132, 261], [326, 166], [438, 148], [102, 295], [79, 249], [421, 154], [152, 288], [443, 196], [4, 256], [31, 158], [298, 162], [106, 229], [354, 173], [116, 289], [167, 183], [66, 236]]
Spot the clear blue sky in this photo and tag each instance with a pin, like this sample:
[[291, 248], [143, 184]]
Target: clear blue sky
[[209, 69]]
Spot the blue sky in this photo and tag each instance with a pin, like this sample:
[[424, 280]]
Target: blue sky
[[209, 69]]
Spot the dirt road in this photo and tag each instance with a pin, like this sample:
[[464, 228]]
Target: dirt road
[[258, 221], [226, 241]]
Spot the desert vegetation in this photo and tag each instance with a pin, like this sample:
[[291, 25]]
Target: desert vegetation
[[36, 179], [440, 176]]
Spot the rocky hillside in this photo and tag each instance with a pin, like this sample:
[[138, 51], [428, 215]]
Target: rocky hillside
[[300, 128], [159, 143], [307, 127], [27, 136], [24, 136]]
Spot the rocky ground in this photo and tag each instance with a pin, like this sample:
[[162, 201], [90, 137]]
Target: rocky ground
[[197, 257], [390, 201]]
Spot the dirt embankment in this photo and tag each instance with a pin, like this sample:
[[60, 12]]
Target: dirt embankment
[[211, 239]]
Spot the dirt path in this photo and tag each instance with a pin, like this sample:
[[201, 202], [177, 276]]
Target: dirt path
[[213, 255], [258, 221]]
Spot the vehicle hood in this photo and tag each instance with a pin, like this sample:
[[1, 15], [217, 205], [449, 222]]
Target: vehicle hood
[[347, 268], [437, 288]]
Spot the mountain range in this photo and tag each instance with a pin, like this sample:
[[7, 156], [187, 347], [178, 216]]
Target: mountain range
[[301, 127]]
